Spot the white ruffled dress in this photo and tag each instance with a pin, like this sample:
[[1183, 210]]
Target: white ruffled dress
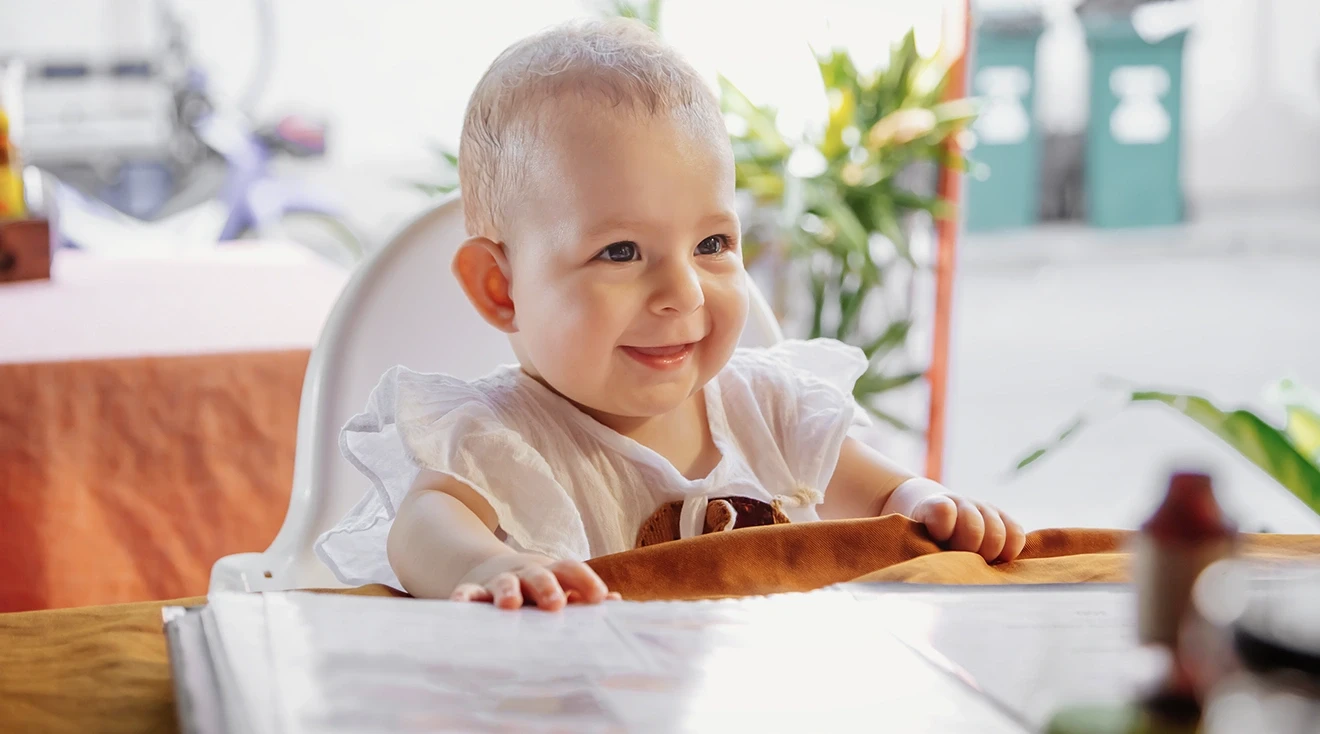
[[564, 485]]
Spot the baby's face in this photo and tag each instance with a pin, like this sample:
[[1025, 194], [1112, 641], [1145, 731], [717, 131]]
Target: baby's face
[[626, 263]]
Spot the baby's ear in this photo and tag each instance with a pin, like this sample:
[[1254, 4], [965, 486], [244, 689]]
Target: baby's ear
[[482, 269]]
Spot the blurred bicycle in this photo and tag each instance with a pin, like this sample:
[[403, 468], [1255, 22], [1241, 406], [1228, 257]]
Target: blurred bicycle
[[215, 180]]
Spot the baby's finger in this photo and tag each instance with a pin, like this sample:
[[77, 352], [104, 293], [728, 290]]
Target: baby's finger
[[995, 533], [576, 598], [542, 588], [1015, 540], [938, 514], [506, 590], [970, 528], [579, 577], [470, 593]]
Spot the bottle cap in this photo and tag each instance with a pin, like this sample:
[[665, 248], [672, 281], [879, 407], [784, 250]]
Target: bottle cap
[[1189, 512]]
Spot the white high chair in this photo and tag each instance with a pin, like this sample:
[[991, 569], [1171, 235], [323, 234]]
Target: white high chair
[[401, 306]]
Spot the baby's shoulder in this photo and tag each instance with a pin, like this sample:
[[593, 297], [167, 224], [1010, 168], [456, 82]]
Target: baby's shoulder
[[489, 418], [499, 385], [505, 396]]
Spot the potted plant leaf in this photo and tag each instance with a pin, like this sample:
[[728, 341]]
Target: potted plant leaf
[[844, 229], [1290, 454]]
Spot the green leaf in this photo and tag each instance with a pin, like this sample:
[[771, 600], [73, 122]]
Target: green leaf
[[1030, 458], [432, 189], [752, 154], [1259, 442], [843, 110], [850, 306], [903, 60], [874, 383], [817, 304], [760, 120], [1304, 431], [831, 207], [937, 90], [955, 112], [648, 13], [1264, 445], [886, 221], [444, 154], [1303, 411], [1040, 451], [837, 70], [894, 335], [938, 208], [887, 417], [766, 187]]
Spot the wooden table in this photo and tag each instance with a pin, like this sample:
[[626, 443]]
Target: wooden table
[[94, 669], [91, 669], [105, 668]]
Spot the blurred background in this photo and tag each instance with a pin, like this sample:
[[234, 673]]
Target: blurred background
[[1126, 195]]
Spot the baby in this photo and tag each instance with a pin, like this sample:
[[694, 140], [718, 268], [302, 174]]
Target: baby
[[598, 190]]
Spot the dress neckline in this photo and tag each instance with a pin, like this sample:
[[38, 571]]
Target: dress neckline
[[608, 437]]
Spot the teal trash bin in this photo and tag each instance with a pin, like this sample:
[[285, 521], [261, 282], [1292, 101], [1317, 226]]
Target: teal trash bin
[[1134, 134], [1007, 138]]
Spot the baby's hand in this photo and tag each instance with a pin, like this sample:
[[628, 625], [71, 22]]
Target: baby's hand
[[508, 580], [970, 526]]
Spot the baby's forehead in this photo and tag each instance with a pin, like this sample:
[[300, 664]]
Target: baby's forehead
[[569, 131], [613, 172]]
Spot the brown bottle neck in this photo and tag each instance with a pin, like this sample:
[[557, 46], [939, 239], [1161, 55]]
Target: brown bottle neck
[[1189, 513]]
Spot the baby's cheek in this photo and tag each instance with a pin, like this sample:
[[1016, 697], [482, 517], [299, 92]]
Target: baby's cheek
[[727, 291], [727, 303], [575, 336]]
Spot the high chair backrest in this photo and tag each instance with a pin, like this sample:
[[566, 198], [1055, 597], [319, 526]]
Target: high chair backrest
[[402, 306]]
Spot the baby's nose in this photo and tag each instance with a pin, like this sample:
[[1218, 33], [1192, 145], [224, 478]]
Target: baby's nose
[[679, 291]]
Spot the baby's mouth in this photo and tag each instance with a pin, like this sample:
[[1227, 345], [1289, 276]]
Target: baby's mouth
[[662, 357], [668, 351]]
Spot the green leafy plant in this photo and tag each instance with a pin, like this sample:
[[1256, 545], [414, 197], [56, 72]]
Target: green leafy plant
[[647, 11], [1289, 454], [848, 221], [448, 181]]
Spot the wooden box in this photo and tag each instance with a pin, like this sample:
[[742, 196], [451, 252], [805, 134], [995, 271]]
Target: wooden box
[[25, 250]]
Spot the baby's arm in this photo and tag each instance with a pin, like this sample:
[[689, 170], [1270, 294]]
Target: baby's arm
[[866, 484], [443, 545]]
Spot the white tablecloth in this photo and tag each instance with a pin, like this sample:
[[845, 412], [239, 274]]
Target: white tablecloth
[[235, 297]]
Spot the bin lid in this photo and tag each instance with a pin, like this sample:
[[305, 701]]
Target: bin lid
[[1008, 18], [1150, 20], [1108, 8]]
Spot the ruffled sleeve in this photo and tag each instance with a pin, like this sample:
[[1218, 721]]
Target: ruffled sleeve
[[419, 421], [804, 392]]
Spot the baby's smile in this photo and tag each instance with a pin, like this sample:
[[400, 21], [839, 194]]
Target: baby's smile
[[668, 357]]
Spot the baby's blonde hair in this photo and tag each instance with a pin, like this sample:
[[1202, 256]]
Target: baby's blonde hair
[[617, 63]]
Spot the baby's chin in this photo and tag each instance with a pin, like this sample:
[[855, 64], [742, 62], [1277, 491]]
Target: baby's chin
[[642, 407], [643, 403]]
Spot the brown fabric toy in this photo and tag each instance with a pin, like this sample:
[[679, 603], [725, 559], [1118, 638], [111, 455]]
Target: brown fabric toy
[[722, 513]]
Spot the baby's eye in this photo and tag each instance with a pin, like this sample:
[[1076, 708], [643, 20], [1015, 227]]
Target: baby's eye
[[713, 245], [619, 252]]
